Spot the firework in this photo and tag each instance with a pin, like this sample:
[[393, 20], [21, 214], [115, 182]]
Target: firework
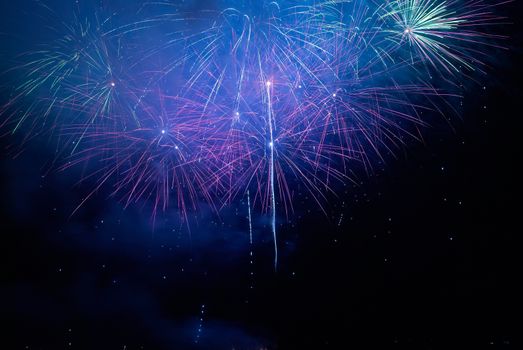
[[271, 99], [163, 157], [292, 98], [446, 34], [79, 77]]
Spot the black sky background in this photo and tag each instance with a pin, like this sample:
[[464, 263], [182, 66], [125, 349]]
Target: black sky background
[[425, 256]]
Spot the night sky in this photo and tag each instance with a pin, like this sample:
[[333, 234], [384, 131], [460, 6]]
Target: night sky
[[419, 253]]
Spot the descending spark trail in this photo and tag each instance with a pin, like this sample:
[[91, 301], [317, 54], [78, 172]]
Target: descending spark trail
[[200, 324], [271, 172], [250, 217], [251, 252]]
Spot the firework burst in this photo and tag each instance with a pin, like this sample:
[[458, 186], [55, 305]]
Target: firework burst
[[447, 35], [81, 77]]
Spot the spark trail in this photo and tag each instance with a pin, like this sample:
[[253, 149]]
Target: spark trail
[[251, 251], [271, 172], [250, 216]]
